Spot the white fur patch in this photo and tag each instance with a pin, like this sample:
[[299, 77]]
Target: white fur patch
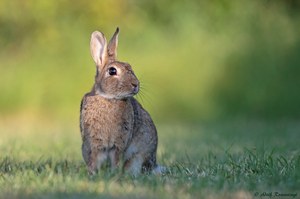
[[104, 95], [136, 166]]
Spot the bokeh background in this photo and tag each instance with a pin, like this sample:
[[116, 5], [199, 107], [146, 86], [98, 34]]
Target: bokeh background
[[197, 60], [220, 79]]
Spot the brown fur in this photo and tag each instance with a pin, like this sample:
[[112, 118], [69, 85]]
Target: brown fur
[[114, 126]]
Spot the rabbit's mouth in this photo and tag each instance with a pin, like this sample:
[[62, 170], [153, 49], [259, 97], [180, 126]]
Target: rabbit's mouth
[[134, 91]]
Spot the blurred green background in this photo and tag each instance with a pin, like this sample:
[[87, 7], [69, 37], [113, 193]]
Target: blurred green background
[[196, 60]]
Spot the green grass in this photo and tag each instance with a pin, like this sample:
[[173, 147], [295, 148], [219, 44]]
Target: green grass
[[224, 160]]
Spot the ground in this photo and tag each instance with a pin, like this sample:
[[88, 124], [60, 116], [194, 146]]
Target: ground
[[227, 159]]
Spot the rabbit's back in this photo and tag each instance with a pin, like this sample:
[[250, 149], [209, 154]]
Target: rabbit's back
[[144, 139]]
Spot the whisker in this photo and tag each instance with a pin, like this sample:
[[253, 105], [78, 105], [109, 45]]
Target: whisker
[[143, 95]]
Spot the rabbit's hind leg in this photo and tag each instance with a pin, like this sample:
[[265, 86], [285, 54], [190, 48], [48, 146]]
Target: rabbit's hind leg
[[134, 164]]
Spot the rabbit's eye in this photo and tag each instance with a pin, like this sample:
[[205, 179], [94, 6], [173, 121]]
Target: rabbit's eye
[[112, 71]]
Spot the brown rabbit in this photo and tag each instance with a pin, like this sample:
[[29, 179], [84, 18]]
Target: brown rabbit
[[114, 126]]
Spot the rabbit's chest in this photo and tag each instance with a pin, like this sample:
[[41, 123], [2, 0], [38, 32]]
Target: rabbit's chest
[[107, 123]]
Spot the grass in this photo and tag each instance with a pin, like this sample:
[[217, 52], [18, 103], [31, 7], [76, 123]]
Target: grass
[[240, 159]]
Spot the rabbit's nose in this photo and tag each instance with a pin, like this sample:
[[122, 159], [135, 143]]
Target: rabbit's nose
[[135, 87]]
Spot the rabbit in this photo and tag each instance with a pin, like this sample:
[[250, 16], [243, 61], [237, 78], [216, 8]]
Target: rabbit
[[115, 128]]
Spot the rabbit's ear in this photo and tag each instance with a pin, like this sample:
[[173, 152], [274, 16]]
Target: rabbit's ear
[[98, 47], [112, 46]]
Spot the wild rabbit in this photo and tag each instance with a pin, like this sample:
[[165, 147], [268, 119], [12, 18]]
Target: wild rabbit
[[114, 126]]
